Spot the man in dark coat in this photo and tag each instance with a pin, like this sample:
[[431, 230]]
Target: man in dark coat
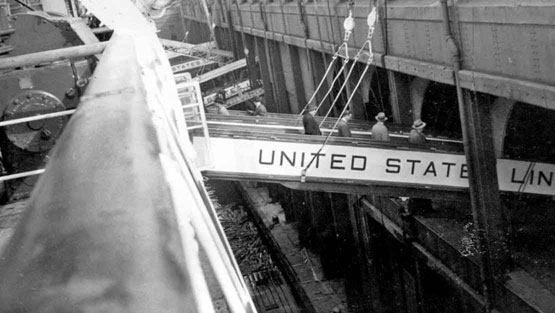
[[416, 135], [310, 125], [343, 125]]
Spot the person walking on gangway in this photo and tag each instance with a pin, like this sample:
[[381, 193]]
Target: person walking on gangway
[[416, 135], [343, 125], [259, 108], [219, 102], [310, 125], [379, 130]]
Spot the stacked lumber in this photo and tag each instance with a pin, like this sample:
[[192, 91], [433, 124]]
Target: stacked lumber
[[243, 237]]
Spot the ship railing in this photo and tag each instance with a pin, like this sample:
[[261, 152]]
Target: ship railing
[[122, 200]]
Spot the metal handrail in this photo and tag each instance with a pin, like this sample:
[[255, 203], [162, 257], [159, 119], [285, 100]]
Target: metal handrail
[[149, 117]]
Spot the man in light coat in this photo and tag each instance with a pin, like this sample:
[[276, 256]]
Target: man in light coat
[[379, 130]]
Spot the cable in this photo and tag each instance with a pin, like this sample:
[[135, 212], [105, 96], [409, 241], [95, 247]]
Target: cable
[[303, 173], [339, 92], [380, 91], [371, 20], [25, 5], [525, 178], [348, 25]]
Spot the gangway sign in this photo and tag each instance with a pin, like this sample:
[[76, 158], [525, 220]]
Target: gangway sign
[[343, 163]]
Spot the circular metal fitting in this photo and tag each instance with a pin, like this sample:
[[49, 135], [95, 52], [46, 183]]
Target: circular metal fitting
[[38, 135]]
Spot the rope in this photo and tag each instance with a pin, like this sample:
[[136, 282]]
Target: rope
[[371, 20], [320, 85], [340, 90], [525, 179], [332, 84], [211, 26], [330, 66], [348, 25], [303, 173], [25, 5]]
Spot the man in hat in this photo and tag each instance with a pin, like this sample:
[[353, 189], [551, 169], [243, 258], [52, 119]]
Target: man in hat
[[343, 126], [379, 130], [416, 135], [310, 125], [259, 108]]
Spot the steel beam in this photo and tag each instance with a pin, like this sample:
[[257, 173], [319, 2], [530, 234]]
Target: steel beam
[[264, 64], [488, 215], [282, 100], [535, 93]]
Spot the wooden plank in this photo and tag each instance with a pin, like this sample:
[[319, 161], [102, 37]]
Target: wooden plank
[[222, 70], [530, 291], [287, 269], [187, 48]]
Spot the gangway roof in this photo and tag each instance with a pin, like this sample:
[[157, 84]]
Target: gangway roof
[[266, 152]]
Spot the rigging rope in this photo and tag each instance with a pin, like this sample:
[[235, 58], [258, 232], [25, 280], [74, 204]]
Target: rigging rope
[[211, 26], [526, 178], [371, 20], [348, 25]]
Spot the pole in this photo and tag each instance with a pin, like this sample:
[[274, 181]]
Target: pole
[[52, 56]]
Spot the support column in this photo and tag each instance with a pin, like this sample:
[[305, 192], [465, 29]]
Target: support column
[[281, 100], [500, 114], [418, 88], [399, 89], [254, 72], [307, 74], [265, 72], [362, 279], [320, 65], [289, 71], [357, 103], [299, 87], [489, 219]]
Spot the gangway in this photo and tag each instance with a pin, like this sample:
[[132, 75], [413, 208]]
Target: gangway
[[291, 123], [261, 149]]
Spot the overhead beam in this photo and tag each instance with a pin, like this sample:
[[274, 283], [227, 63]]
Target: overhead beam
[[520, 90]]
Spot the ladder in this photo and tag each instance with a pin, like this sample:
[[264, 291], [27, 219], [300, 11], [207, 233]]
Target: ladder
[[192, 103]]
